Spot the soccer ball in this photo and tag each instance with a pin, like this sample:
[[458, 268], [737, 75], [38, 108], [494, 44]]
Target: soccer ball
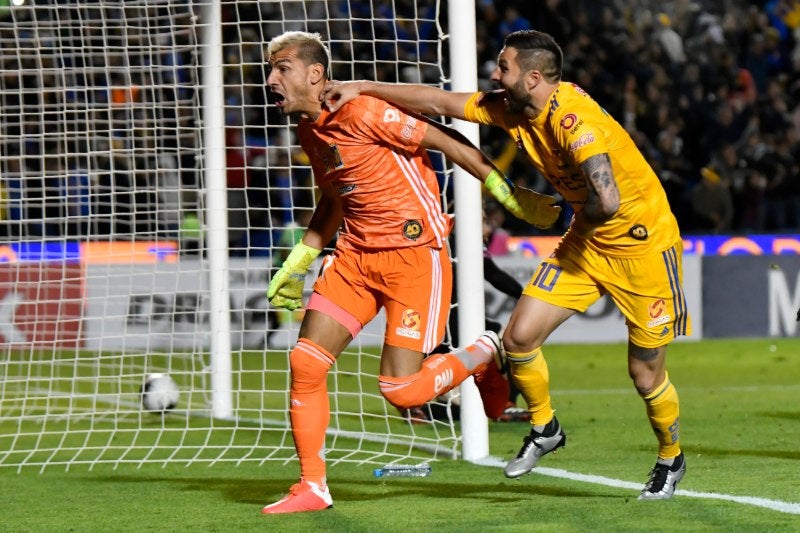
[[159, 393]]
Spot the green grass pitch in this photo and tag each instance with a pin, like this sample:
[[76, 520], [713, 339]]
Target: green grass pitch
[[740, 414]]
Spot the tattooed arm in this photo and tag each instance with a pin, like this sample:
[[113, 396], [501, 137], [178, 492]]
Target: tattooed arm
[[602, 196]]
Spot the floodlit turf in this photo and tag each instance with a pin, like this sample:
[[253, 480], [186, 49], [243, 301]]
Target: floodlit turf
[[740, 414]]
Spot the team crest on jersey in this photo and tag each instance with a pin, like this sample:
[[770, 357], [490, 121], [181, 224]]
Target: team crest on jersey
[[412, 229], [410, 324], [638, 232], [658, 313]]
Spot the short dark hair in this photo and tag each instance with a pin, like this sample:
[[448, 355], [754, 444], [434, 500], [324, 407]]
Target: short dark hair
[[537, 50]]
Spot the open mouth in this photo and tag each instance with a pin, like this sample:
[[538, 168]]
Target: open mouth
[[276, 98]]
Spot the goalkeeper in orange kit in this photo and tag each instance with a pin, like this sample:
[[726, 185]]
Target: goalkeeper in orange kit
[[380, 193]]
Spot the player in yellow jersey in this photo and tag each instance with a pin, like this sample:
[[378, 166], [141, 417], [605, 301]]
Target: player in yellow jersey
[[623, 240]]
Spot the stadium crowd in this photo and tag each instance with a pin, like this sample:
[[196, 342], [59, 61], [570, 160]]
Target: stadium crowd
[[710, 91]]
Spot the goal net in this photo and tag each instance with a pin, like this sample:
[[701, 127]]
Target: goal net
[[107, 206]]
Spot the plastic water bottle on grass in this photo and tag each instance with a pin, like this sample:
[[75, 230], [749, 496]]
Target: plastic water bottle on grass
[[420, 470]]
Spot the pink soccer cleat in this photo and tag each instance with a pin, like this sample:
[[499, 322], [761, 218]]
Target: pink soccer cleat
[[303, 497]]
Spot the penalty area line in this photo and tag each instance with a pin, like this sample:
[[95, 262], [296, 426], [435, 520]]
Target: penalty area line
[[774, 505]]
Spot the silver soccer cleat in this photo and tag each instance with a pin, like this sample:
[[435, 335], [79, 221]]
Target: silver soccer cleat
[[534, 446]]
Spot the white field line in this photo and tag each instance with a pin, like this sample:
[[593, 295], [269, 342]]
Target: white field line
[[774, 505]]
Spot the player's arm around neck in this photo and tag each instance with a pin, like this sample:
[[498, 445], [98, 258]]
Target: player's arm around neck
[[415, 97]]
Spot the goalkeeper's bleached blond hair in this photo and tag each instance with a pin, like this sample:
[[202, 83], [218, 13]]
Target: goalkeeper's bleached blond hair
[[310, 48]]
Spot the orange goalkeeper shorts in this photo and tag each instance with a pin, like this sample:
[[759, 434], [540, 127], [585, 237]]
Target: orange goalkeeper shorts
[[413, 284]]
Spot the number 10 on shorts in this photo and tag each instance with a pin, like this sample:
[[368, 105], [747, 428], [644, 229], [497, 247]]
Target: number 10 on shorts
[[546, 276]]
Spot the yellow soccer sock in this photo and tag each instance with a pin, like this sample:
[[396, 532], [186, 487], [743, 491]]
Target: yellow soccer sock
[[532, 378], [663, 410]]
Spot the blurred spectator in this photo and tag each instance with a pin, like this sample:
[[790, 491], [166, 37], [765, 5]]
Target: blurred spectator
[[512, 21], [669, 39], [733, 169], [494, 236], [712, 203], [237, 158]]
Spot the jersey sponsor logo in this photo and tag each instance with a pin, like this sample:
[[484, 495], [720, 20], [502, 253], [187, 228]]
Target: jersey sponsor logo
[[443, 380], [391, 115], [658, 321], [638, 232], [657, 308], [410, 324], [412, 229], [568, 121], [583, 140], [657, 311], [408, 129], [411, 319], [409, 333], [344, 189]]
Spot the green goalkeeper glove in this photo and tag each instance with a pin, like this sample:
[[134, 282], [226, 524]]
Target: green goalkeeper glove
[[286, 286], [530, 206]]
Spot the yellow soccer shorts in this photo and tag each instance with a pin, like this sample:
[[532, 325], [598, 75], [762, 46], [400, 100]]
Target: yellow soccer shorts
[[648, 290]]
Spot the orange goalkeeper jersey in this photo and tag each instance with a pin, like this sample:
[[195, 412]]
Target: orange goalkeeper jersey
[[572, 129], [369, 150]]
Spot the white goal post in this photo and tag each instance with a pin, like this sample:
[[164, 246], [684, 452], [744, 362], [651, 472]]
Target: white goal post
[[149, 190]]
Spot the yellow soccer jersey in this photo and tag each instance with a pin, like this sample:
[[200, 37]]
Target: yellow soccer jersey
[[572, 129]]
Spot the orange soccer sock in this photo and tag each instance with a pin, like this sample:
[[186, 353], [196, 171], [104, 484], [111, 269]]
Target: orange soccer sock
[[310, 407], [439, 374]]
